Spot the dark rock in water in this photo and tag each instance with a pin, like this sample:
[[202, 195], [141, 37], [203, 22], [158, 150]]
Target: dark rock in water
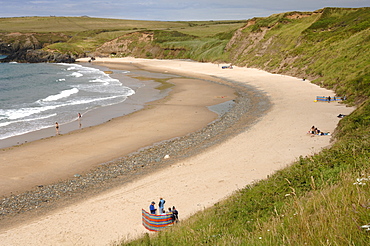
[[38, 56]]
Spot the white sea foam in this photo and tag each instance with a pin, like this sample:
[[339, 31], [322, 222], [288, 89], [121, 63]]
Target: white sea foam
[[27, 120], [5, 124], [63, 94], [13, 114], [99, 80], [70, 66], [76, 74]]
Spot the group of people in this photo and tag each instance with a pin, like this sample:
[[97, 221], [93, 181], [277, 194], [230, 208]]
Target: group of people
[[161, 211], [335, 98], [315, 131]]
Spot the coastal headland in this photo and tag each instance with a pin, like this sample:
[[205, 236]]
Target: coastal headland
[[272, 140]]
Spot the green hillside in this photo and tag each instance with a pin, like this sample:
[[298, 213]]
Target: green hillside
[[319, 200], [83, 35]]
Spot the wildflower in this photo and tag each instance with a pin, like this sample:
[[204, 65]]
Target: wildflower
[[359, 181], [367, 227]]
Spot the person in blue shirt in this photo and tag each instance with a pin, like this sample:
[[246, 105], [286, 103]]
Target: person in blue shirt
[[161, 205], [152, 209]]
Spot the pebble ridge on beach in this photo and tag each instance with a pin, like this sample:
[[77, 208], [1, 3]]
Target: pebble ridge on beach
[[247, 108]]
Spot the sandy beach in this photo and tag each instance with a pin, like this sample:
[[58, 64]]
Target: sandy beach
[[274, 141]]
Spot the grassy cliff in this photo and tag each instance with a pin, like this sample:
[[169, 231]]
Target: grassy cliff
[[319, 200], [329, 46]]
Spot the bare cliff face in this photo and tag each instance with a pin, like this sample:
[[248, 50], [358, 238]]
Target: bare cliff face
[[130, 44]]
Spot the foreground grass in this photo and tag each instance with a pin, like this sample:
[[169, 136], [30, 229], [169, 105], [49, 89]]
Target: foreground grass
[[320, 200]]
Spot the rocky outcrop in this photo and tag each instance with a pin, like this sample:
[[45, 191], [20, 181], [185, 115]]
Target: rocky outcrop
[[27, 47], [38, 56], [13, 42]]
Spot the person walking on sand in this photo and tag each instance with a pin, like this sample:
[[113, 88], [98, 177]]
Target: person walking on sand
[[79, 120], [161, 205], [57, 128]]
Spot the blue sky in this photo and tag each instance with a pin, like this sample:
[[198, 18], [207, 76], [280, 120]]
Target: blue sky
[[167, 10]]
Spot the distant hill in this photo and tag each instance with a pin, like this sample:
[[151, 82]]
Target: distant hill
[[329, 46]]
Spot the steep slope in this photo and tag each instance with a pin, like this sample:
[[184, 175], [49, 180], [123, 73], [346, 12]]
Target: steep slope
[[330, 46]]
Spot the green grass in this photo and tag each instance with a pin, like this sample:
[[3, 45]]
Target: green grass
[[77, 24]]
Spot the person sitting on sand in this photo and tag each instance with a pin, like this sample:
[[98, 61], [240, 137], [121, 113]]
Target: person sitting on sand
[[312, 130], [315, 131]]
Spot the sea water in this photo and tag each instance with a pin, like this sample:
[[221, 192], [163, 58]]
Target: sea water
[[35, 96]]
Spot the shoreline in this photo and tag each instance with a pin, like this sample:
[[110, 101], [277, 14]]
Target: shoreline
[[33, 164], [143, 95], [205, 176]]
